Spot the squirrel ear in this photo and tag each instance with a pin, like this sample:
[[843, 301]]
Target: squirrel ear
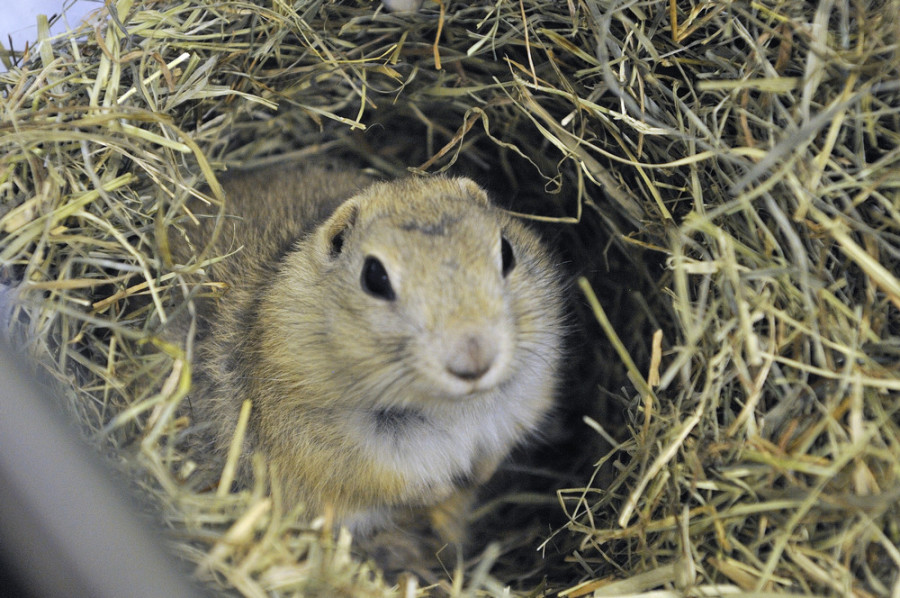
[[473, 190], [335, 228]]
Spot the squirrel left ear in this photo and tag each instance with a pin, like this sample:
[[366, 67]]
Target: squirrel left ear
[[338, 224], [473, 190]]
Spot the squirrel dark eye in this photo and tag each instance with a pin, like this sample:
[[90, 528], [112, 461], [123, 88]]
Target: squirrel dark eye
[[508, 260], [337, 243], [375, 280]]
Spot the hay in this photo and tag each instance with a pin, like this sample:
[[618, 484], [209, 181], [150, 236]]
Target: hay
[[733, 170]]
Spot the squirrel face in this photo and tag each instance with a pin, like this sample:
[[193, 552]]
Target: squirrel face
[[423, 289]]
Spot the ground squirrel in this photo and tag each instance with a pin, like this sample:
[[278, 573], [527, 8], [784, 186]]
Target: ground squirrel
[[396, 339]]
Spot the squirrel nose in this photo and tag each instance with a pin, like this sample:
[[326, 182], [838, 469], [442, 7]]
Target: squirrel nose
[[471, 357]]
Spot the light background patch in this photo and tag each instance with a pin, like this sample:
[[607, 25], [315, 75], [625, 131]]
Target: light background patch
[[18, 18]]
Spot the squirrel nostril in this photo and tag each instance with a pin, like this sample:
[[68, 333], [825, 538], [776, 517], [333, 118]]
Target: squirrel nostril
[[471, 358]]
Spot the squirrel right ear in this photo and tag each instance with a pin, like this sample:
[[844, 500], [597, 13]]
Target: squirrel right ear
[[336, 227], [473, 190]]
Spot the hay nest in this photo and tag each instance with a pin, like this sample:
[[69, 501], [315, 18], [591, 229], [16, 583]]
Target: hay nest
[[723, 176]]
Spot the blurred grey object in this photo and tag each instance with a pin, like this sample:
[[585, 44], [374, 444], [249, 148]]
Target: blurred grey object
[[7, 303], [402, 5], [65, 528]]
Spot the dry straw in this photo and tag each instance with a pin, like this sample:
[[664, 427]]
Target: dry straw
[[724, 175]]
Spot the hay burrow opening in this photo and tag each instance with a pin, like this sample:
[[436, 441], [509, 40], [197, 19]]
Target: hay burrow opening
[[721, 179]]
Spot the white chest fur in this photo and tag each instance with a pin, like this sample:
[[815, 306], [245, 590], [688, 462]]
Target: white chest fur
[[439, 448]]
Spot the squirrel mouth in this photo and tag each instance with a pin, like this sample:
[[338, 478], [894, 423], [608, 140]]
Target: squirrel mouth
[[457, 387]]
